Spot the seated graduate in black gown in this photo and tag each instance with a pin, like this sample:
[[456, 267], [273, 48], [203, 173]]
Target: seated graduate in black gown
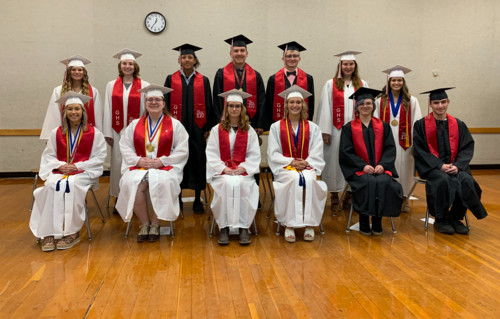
[[366, 155], [443, 148]]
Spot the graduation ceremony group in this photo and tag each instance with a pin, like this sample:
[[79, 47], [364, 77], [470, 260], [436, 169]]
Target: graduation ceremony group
[[365, 144]]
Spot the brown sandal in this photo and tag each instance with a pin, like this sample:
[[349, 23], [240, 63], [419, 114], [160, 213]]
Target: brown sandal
[[68, 241], [48, 244]]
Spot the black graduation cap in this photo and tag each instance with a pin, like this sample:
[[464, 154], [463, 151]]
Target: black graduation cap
[[291, 46], [438, 94], [187, 49], [238, 41], [365, 93]]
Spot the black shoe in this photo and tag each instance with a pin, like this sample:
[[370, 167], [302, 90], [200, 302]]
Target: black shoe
[[442, 225], [154, 233], [364, 225], [198, 207], [259, 206], [458, 226], [143, 234], [377, 225], [244, 238], [115, 211], [223, 236]]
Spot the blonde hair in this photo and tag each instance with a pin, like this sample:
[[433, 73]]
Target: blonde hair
[[137, 69], [243, 123], [303, 112], [356, 80], [65, 120], [165, 109], [67, 85]]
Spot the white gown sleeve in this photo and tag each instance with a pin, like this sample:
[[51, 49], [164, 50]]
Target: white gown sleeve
[[93, 167], [252, 159], [215, 166], [127, 148], [53, 115], [97, 109], [49, 159], [325, 117], [315, 157], [275, 156], [180, 147]]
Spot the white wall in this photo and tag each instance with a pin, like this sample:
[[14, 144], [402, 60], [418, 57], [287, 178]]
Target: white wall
[[458, 40]]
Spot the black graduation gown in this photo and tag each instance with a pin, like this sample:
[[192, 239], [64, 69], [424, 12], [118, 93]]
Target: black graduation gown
[[255, 122], [376, 195], [459, 191], [195, 169], [268, 111]]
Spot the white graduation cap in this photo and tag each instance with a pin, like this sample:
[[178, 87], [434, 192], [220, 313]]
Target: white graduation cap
[[397, 71], [127, 54], [76, 60], [295, 91], [71, 97], [155, 90], [348, 55], [235, 95]]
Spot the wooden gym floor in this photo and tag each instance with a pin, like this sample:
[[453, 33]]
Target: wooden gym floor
[[410, 274]]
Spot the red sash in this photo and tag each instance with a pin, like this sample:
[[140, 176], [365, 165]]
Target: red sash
[[133, 108], [431, 135], [229, 83], [338, 105], [239, 149], [89, 107], [404, 127], [164, 141], [83, 149], [359, 141], [200, 113], [287, 146], [279, 86]]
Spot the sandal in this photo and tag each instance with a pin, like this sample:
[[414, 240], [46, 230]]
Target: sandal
[[309, 234], [48, 244], [154, 233], [68, 241], [289, 235], [143, 234]]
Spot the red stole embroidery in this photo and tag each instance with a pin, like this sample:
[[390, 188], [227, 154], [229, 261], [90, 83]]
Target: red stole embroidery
[[404, 127], [164, 140], [239, 149], [83, 149], [279, 86], [200, 113], [133, 107], [229, 83], [338, 105], [287, 146], [431, 135], [359, 141]]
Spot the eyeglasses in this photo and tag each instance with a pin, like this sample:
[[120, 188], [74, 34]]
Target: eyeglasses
[[151, 99], [290, 56]]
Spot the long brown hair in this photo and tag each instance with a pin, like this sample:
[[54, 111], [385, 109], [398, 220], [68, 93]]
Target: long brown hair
[[137, 69], [243, 123], [355, 78], [404, 91], [83, 120], [67, 85]]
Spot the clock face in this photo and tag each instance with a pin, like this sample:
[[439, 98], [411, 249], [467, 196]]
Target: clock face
[[155, 22]]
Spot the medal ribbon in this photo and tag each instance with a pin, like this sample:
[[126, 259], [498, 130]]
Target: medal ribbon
[[150, 135], [72, 143], [395, 108]]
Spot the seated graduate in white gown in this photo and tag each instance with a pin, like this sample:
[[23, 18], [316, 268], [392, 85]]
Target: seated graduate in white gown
[[154, 150], [295, 156], [233, 157], [71, 163]]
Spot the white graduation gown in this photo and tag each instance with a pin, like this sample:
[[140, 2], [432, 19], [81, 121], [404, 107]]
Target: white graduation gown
[[116, 158], [53, 115], [57, 213], [332, 174], [289, 208], [164, 186], [235, 197], [404, 158]]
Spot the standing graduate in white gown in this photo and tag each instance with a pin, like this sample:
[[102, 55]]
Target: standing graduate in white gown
[[76, 79], [401, 110], [123, 103], [71, 163], [233, 158], [334, 110], [295, 156], [154, 149]]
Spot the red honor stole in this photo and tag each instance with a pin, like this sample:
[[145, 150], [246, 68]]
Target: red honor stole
[[83, 149], [133, 108], [404, 122], [279, 86], [431, 135], [286, 135], [89, 107], [359, 141], [338, 105], [239, 149], [200, 113], [164, 140], [251, 85]]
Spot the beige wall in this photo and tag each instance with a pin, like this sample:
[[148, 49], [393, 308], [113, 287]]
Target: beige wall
[[446, 43]]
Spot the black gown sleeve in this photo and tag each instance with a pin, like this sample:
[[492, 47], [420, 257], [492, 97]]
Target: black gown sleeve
[[268, 109], [310, 100], [350, 163], [211, 117], [424, 160], [261, 101], [465, 147], [389, 151], [168, 81], [218, 101]]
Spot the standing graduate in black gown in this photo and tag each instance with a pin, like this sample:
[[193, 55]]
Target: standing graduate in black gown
[[237, 74], [190, 102], [287, 76], [367, 154], [443, 148]]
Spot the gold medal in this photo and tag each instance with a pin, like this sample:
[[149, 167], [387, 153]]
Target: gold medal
[[394, 122], [150, 148]]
